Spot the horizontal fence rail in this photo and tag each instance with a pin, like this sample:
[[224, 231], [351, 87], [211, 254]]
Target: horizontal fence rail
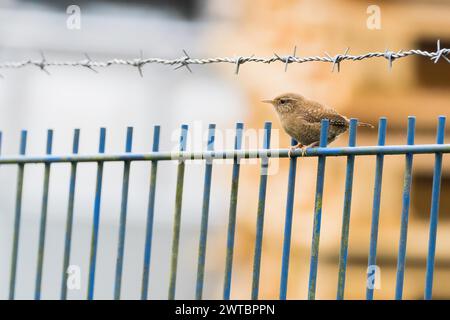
[[231, 154], [209, 155]]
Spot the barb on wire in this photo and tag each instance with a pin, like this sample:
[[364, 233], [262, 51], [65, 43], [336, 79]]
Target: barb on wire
[[139, 63], [287, 59], [440, 53], [238, 64], [239, 61], [88, 62], [388, 55], [186, 61], [42, 65], [337, 59]]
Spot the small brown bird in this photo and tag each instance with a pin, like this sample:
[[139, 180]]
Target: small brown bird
[[301, 119]]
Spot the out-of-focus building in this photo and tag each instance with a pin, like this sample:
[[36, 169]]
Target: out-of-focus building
[[366, 90]]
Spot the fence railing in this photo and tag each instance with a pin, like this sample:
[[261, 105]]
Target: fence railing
[[209, 155]]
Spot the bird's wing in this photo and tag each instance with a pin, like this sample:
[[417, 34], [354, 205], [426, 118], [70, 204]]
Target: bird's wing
[[316, 112]]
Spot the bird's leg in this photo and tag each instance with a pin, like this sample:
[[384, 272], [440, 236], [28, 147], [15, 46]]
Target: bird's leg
[[311, 145], [292, 148]]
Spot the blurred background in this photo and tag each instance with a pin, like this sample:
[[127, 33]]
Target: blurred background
[[118, 97]]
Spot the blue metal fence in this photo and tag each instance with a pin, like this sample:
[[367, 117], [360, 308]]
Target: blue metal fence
[[322, 152]]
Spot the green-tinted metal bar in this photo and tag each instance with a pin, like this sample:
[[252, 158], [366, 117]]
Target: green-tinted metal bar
[[232, 213], [317, 214], [205, 213], [406, 199], [69, 223], [177, 216], [123, 217], [150, 217], [15, 249], [346, 212], [43, 225], [260, 214]]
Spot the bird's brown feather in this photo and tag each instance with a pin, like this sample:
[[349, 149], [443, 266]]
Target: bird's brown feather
[[301, 118], [313, 112]]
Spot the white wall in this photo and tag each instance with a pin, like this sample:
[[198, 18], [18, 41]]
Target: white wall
[[115, 98]]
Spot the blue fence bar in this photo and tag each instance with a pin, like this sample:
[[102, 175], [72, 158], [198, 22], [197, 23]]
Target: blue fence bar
[[376, 211], [96, 217], [260, 213], [401, 260], [205, 213], [232, 213], [69, 222], [288, 226], [177, 215], [150, 217], [123, 216], [18, 211], [43, 224], [346, 212], [434, 212], [317, 213]]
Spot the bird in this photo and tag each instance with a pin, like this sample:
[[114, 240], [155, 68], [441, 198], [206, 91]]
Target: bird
[[301, 119]]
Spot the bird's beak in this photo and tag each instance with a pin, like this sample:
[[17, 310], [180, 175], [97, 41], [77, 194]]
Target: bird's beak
[[267, 101]]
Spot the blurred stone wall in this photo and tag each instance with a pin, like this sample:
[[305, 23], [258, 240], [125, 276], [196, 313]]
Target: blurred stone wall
[[366, 90]]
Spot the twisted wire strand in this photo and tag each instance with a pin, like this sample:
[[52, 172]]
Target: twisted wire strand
[[186, 60]]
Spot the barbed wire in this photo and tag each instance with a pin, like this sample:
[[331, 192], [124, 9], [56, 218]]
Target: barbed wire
[[185, 61]]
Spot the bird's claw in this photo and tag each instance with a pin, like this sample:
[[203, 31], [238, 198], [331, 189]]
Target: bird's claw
[[304, 149], [292, 149]]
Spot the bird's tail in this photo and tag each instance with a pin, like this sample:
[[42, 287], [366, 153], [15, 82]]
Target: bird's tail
[[363, 124]]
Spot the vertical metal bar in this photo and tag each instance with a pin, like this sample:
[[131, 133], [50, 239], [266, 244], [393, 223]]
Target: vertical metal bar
[[18, 211], [434, 212], [69, 222], [260, 213], [288, 225], [177, 215], [376, 208], [346, 212], [96, 217], [43, 224], [317, 213], [123, 216], [205, 213], [401, 260], [150, 216], [232, 213]]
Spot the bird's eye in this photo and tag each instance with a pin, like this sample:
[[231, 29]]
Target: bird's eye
[[283, 101]]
